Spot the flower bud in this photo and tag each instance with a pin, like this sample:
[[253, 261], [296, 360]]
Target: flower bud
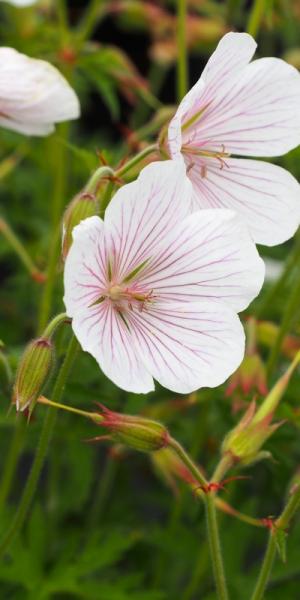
[[244, 442], [33, 372], [84, 205], [138, 433]]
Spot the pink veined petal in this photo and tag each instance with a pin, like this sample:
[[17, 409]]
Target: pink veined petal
[[266, 196], [209, 255], [144, 212], [232, 54], [188, 346], [85, 273], [102, 332], [254, 114]]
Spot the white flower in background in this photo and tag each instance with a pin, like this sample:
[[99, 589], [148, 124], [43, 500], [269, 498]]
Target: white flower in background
[[20, 3], [33, 94], [243, 109], [153, 290]]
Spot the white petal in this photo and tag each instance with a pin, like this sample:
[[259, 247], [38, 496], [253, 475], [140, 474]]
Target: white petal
[[232, 54], [266, 196], [188, 346], [142, 213], [20, 3], [255, 113], [40, 129], [209, 255], [102, 332], [98, 327], [85, 267], [33, 93]]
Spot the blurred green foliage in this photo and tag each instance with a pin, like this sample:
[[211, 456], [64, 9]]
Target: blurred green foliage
[[103, 525]]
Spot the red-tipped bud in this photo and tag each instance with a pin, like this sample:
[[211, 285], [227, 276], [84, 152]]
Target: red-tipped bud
[[136, 432], [33, 372], [84, 205]]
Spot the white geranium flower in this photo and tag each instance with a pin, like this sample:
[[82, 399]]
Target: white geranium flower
[[33, 94], [242, 108], [20, 3], [153, 290]]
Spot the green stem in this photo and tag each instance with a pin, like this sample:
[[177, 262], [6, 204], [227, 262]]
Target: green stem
[[256, 17], [50, 279], [212, 525], [224, 465], [189, 463], [54, 324], [292, 306], [215, 547], [282, 522], [39, 458], [182, 63], [265, 569], [19, 249], [72, 409], [58, 151], [136, 160], [11, 459], [90, 19], [92, 184]]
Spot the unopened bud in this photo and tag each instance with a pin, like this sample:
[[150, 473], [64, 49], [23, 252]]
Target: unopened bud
[[138, 433], [34, 370], [84, 205], [245, 441]]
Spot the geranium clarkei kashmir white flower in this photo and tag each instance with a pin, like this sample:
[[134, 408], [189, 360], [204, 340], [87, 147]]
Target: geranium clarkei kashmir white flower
[[33, 94], [242, 109], [20, 3], [153, 290]]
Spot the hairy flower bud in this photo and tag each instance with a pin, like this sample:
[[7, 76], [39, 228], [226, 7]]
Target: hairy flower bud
[[84, 205], [33, 372], [138, 433]]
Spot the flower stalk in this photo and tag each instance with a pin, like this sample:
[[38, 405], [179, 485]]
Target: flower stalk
[[39, 458]]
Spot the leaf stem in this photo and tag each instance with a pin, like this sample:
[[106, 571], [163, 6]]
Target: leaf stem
[[39, 458], [182, 63]]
